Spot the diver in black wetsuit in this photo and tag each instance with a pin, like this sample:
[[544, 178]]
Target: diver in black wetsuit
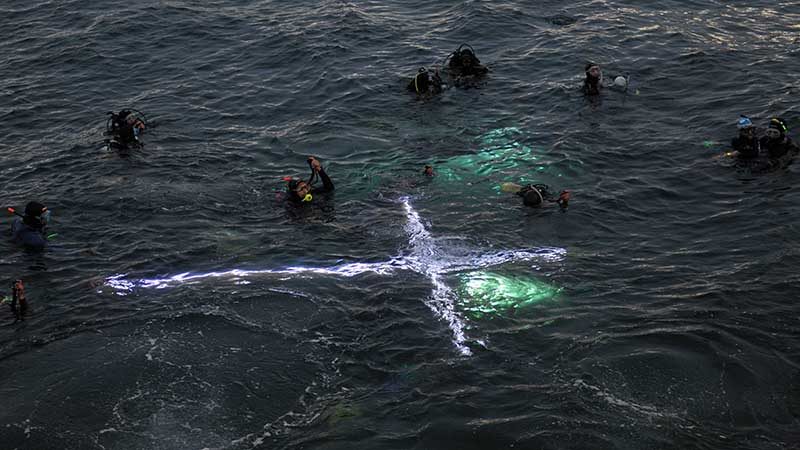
[[593, 82], [775, 141], [29, 228], [125, 127], [426, 83], [464, 67], [303, 191], [538, 195], [746, 145]]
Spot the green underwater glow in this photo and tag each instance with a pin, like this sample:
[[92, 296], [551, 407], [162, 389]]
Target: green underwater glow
[[500, 153], [484, 293], [343, 412]]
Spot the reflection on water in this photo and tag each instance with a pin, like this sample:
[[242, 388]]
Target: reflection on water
[[425, 257]]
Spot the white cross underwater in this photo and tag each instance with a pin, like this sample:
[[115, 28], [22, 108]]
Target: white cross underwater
[[425, 257]]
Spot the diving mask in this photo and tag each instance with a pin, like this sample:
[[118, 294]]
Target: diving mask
[[772, 133]]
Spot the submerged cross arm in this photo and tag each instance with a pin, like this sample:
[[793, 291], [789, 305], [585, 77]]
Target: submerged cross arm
[[485, 260]]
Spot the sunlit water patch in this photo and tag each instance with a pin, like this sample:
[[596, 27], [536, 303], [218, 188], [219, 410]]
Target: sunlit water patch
[[488, 293]]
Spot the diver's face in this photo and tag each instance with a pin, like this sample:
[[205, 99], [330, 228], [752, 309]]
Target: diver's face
[[302, 189], [772, 133], [594, 71], [134, 122], [748, 132]]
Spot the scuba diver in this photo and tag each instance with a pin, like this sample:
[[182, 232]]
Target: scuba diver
[[29, 228], [303, 191], [538, 195], [594, 82], [594, 79], [775, 141], [746, 145], [125, 128], [426, 83], [464, 67], [428, 171]]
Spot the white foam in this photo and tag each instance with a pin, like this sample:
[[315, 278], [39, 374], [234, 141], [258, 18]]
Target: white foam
[[424, 256]]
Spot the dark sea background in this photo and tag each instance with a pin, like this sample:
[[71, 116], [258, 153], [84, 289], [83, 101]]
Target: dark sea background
[[673, 320]]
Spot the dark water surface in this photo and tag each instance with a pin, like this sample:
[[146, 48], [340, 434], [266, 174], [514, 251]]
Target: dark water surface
[[668, 316]]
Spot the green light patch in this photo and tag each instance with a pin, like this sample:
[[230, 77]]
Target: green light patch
[[501, 153], [485, 293]]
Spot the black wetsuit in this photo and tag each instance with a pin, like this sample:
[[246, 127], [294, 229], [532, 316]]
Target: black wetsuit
[[122, 131], [327, 184], [470, 68], [591, 85], [778, 148], [29, 231], [125, 134], [748, 147]]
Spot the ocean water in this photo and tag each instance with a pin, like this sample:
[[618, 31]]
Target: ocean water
[[183, 305]]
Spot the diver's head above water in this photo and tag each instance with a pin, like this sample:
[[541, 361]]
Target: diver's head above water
[[36, 215], [593, 72], [426, 82], [776, 131], [537, 195], [532, 196], [464, 62], [746, 127], [126, 126], [299, 191], [467, 58], [422, 80]]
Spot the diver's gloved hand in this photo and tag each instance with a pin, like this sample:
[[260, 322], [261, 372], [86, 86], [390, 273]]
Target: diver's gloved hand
[[315, 165]]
